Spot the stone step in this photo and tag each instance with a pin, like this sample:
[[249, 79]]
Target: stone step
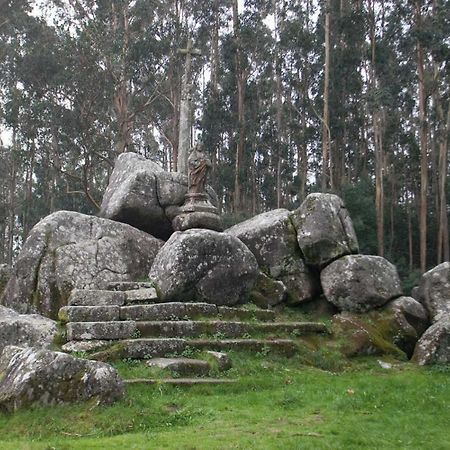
[[223, 329], [152, 348], [156, 311], [168, 311], [89, 314], [285, 347], [181, 381], [129, 285], [86, 331], [96, 297], [147, 295], [142, 349], [182, 366], [227, 312]]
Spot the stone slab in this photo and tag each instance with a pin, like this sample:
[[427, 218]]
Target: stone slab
[[142, 349], [94, 297], [85, 331], [89, 313], [141, 295], [129, 285], [227, 312], [84, 346], [182, 366], [190, 328], [167, 311], [285, 347]]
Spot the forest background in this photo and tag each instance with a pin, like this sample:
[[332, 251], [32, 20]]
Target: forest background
[[292, 97]]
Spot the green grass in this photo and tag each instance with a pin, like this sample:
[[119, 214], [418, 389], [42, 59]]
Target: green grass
[[277, 404]]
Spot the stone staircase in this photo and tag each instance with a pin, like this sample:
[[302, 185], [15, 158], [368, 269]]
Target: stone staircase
[[127, 321]]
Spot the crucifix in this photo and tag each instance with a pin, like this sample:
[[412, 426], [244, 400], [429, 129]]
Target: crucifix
[[184, 137]]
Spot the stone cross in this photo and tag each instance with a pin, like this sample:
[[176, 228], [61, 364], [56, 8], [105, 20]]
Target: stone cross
[[184, 137]]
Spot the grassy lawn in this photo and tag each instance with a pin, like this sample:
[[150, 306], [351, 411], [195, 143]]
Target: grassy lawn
[[278, 403]]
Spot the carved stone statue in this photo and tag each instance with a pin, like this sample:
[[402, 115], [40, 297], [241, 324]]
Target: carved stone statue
[[199, 167], [197, 211]]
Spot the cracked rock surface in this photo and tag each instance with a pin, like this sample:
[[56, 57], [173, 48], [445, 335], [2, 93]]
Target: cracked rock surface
[[271, 237], [324, 229], [68, 250]]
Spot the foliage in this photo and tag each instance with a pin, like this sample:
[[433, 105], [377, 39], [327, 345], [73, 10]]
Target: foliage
[[83, 81]]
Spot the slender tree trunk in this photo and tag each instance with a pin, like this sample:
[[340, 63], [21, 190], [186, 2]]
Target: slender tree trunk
[[121, 100], [241, 85], [410, 235], [279, 102], [423, 145], [326, 170], [12, 200]]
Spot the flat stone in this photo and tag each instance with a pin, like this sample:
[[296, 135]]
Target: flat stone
[[227, 312], [142, 349], [197, 219], [181, 381], [222, 360], [286, 347], [129, 285], [167, 311], [84, 346], [89, 313], [84, 331], [141, 295], [95, 297], [182, 366], [224, 329]]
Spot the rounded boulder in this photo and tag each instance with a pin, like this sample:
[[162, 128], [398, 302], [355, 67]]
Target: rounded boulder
[[204, 265], [359, 283]]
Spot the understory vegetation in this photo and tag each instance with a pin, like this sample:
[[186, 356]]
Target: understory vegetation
[[276, 403]]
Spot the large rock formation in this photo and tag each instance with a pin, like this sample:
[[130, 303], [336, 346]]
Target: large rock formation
[[68, 250], [204, 265], [25, 330], [434, 346], [434, 291], [42, 377], [359, 283], [142, 194], [271, 237], [324, 229]]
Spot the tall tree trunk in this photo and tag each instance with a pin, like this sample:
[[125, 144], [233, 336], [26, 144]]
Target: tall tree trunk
[[12, 199], [121, 99], [326, 169], [378, 127], [423, 144], [241, 85], [379, 182], [279, 102]]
